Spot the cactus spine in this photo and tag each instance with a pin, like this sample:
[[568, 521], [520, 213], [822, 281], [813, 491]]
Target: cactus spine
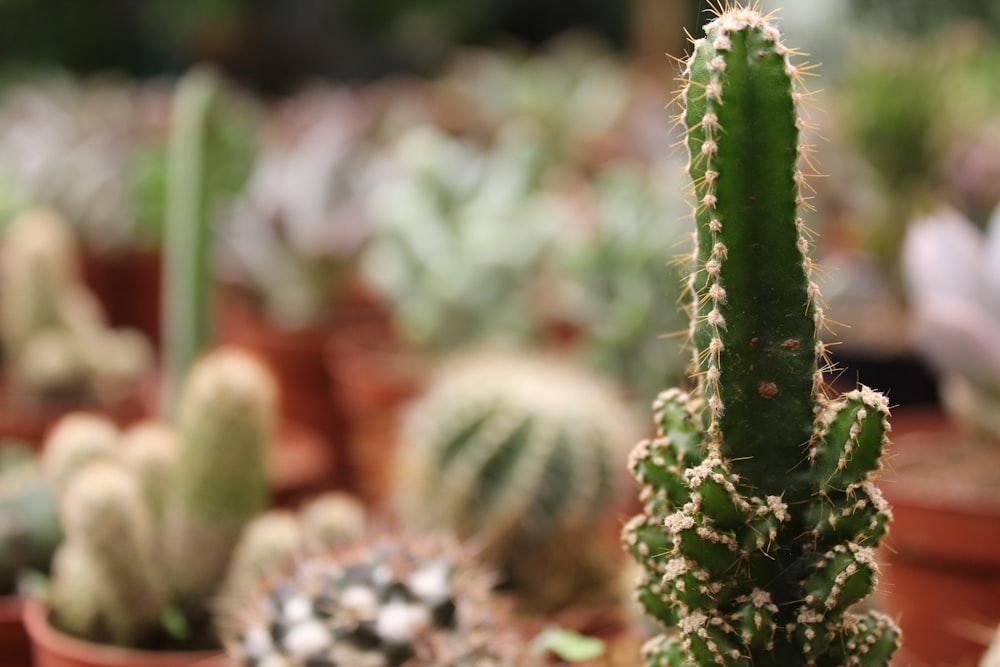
[[522, 453], [760, 520]]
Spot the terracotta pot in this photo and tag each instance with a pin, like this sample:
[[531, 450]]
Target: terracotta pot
[[303, 464], [15, 647], [373, 376], [941, 560], [128, 284], [52, 648]]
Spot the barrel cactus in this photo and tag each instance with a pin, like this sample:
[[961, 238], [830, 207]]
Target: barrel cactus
[[760, 518], [523, 453], [29, 521], [387, 600]]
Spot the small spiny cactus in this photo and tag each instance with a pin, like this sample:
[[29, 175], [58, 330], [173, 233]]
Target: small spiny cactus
[[524, 454], [760, 519], [387, 600]]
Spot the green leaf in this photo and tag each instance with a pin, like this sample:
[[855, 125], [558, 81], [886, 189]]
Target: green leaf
[[569, 645]]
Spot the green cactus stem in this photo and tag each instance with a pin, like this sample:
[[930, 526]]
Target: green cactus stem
[[187, 234], [225, 422], [760, 519], [76, 440]]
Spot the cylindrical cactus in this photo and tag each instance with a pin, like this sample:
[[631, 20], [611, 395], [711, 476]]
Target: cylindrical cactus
[[225, 421], [103, 515], [74, 441], [149, 449], [524, 454], [268, 541], [760, 520], [387, 600]]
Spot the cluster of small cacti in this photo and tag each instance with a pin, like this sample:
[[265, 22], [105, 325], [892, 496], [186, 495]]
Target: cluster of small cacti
[[760, 518], [523, 454], [29, 521], [56, 343], [389, 600], [151, 516]]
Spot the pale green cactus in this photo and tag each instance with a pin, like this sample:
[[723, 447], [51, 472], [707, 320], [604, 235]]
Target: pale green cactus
[[76, 440], [225, 425], [760, 518], [152, 514], [55, 339], [104, 514], [149, 449], [524, 454]]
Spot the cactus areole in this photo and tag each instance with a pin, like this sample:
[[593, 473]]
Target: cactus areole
[[760, 518]]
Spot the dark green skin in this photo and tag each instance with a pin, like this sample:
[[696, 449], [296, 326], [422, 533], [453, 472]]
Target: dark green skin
[[757, 473], [770, 332]]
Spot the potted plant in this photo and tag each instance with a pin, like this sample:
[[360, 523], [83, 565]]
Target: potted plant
[[151, 520], [944, 556], [59, 354], [760, 518]]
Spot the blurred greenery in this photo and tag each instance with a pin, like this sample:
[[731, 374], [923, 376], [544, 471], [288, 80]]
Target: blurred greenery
[[272, 45]]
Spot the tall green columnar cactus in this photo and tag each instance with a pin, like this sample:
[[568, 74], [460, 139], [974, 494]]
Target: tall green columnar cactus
[[225, 421], [760, 519], [188, 268]]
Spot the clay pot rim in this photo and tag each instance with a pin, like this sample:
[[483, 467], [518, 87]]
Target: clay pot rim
[[78, 651]]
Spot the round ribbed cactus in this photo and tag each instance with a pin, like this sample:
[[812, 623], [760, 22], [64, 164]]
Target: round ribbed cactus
[[29, 520], [523, 453], [225, 423], [388, 600], [760, 519]]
